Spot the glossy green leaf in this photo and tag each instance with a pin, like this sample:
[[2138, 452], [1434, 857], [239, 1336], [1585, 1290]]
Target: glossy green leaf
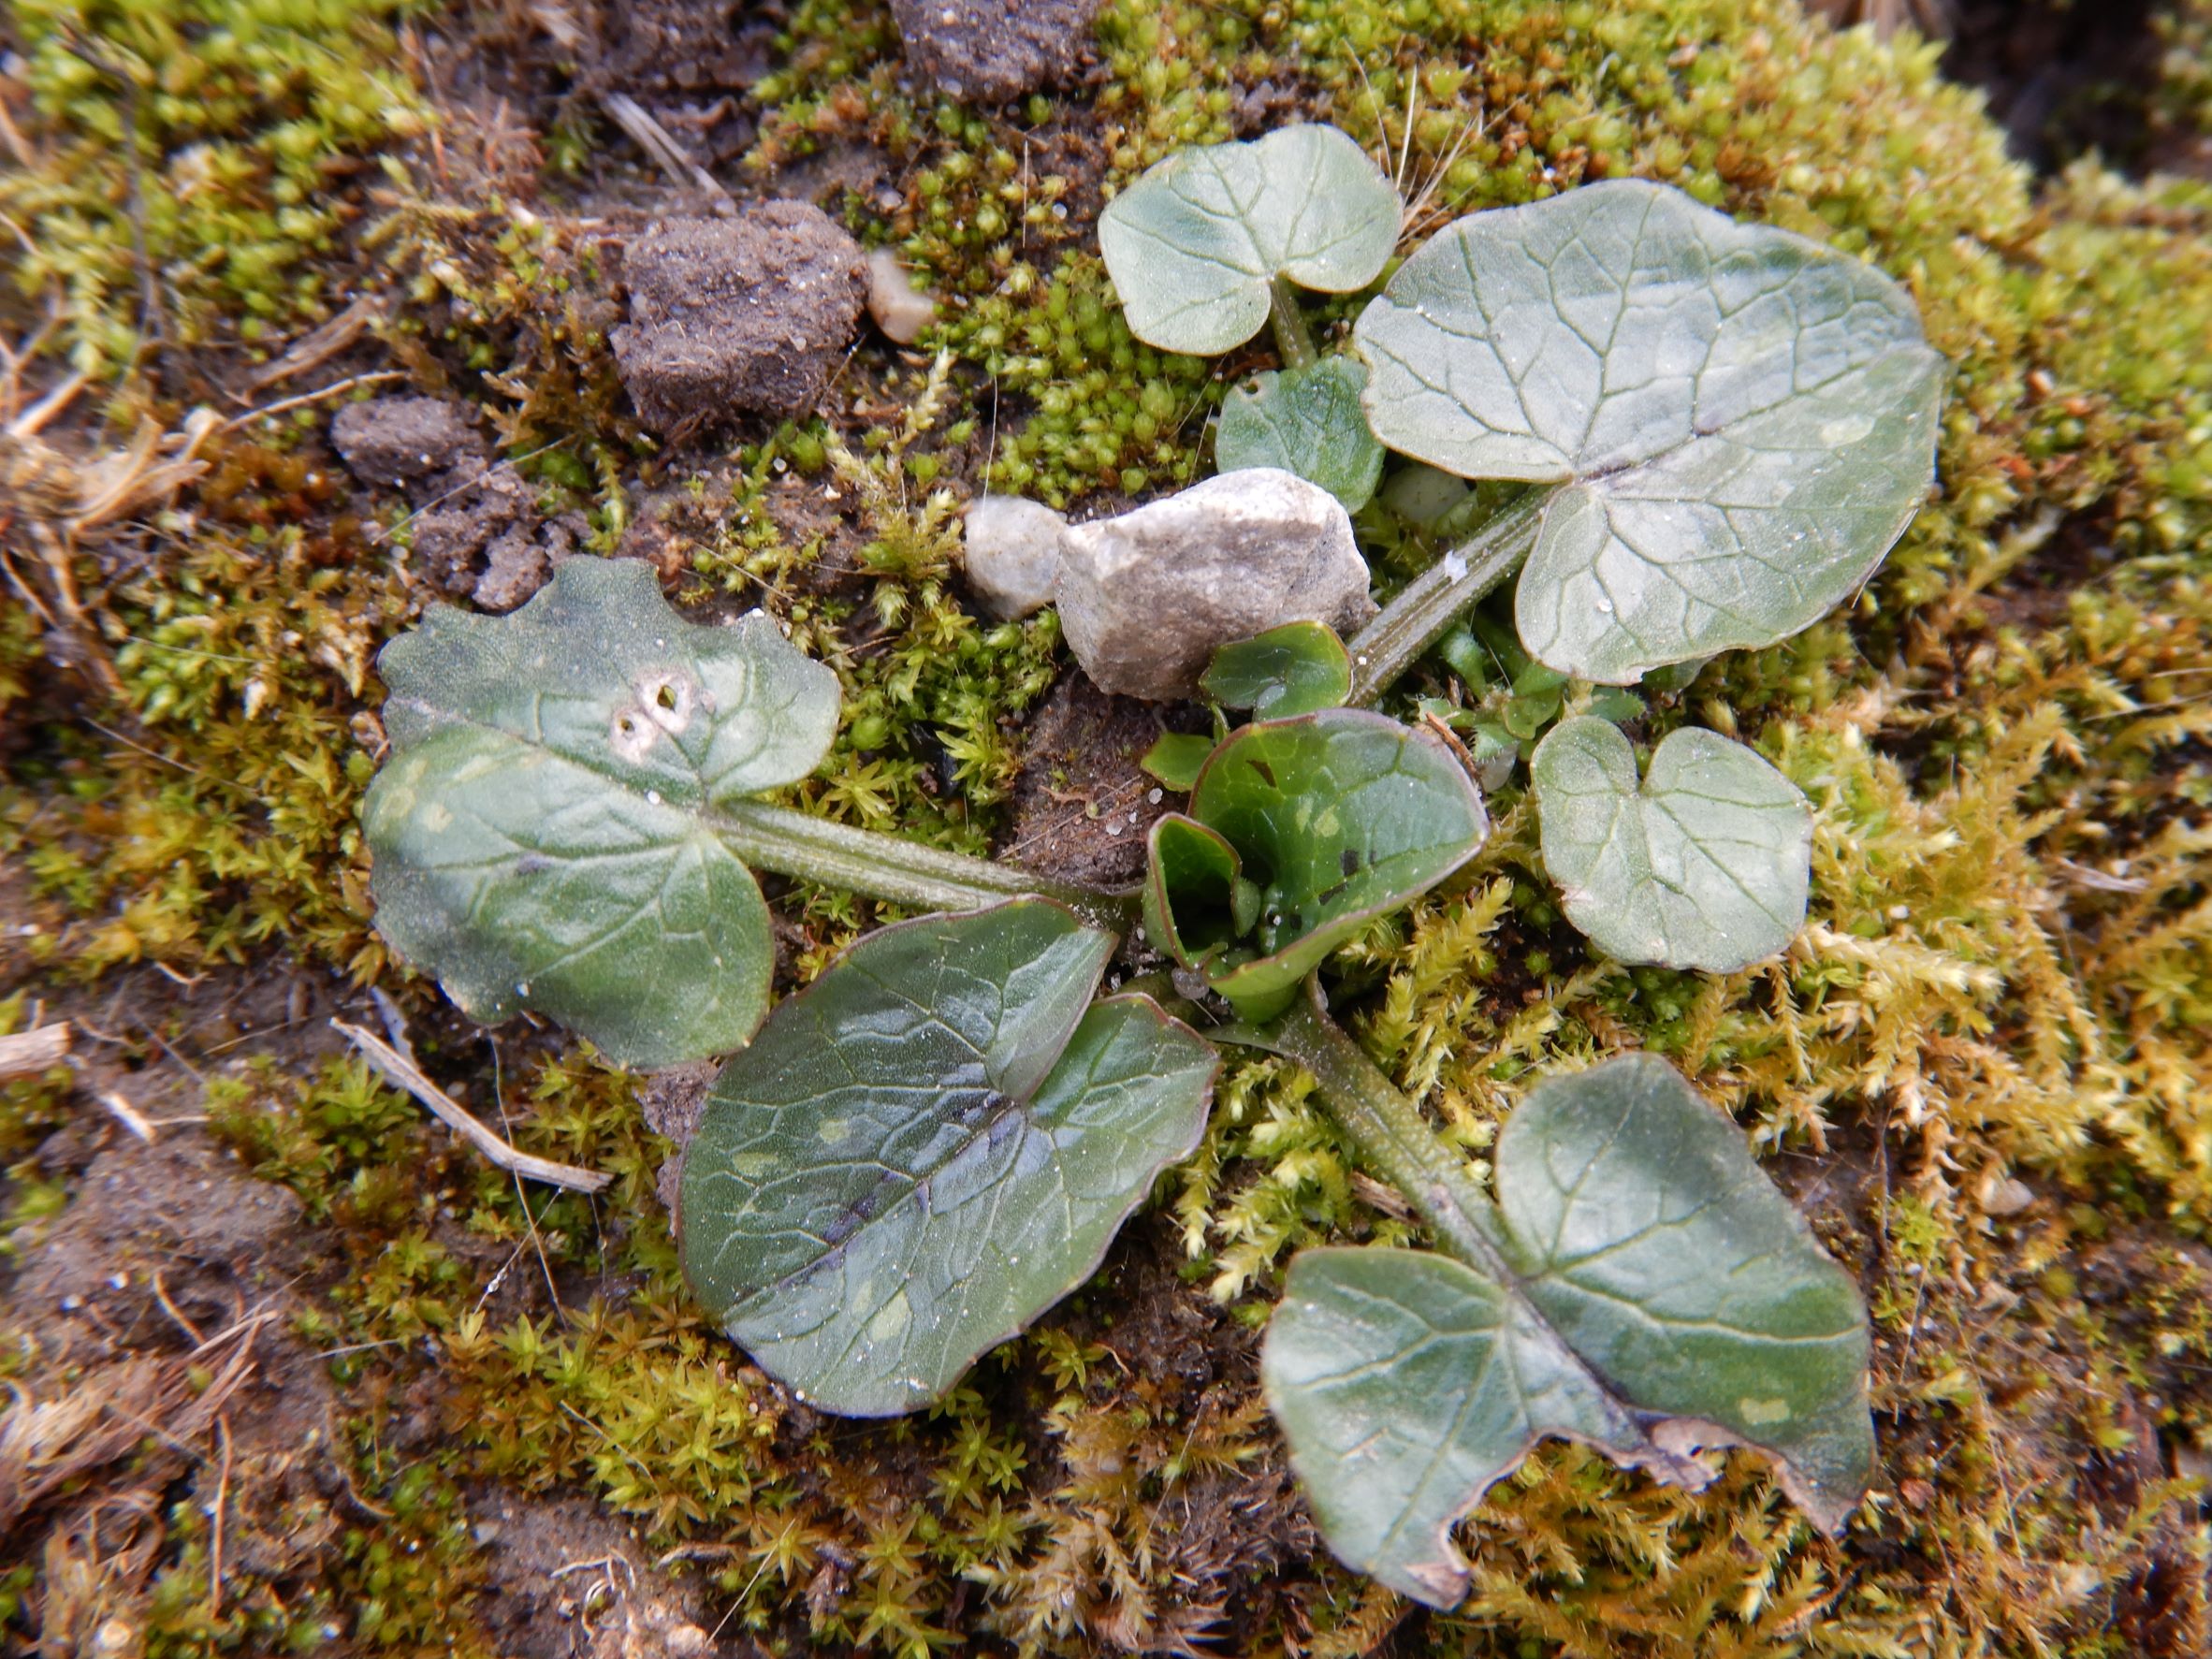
[[1340, 817], [543, 834], [1306, 421], [1652, 1294], [926, 1148], [1742, 421], [1194, 244], [1294, 669], [1704, 864], [1197, 899], [1176, 759]]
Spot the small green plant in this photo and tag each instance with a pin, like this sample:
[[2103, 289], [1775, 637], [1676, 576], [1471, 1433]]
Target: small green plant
[[920, 1153], [1724, 429]]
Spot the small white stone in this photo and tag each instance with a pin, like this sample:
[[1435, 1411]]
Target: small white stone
[[1014, 554], [899, 310]]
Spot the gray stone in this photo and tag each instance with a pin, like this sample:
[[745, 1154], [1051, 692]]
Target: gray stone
[[1014, 554], [1146, 598]]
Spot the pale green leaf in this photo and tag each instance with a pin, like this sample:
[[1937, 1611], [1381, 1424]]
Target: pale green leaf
[[1742, 421], [926, 1148], [1194, 244], [1705, 866], [1306, 421], [543, 834], [1652, 1294]]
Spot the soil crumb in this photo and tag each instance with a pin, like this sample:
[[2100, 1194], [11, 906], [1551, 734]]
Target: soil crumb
[[989, 50], [742, 314], [398, 441]]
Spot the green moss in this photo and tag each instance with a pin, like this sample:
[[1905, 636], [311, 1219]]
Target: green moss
[[185, 159]]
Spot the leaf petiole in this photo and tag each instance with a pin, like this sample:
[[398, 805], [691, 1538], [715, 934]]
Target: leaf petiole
[[1426, 607], [1386, 1127], [1294, 341], [900, 871]]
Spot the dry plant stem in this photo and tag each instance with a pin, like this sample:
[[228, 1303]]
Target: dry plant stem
[[1427, 606], [1388, 1129], [900, 871], [1294, 341], [398, 1070], [29, 1053]]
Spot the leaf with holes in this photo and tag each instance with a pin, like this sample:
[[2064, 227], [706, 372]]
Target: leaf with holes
[[1742, 421], [1306, 421], [543, 834], [1339, 817], [1195, 246], [1294, 669], [1705, 866], [926, 1148], [1652, 1294]]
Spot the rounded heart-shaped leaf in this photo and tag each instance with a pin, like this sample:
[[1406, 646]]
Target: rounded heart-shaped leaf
[[1306, 421], [926, 1148], [1705, 865], [1294, 669], [1195, 244], [1339, 817], [1742, 421], [1652, 1294], [543, 834]]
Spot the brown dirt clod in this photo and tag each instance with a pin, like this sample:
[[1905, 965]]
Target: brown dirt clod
[[744, 314], [396, 441], [989, 50]]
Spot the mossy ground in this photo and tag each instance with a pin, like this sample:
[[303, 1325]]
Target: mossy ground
[[1985, 1070]]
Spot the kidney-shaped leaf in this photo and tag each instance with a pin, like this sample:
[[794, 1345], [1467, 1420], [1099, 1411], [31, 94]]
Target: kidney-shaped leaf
[[1654, 1293], [1742, 421], [1194, 244], [1338, 817], [541, 834], [1306, 421], [1293, 669], [926, 1148], [1705, 866]]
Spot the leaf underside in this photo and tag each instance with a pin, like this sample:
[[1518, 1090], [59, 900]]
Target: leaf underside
[[1306, 421], [1193, 245], [1742, 422], [1655, 1294], [1339, 816], [926, 1148], [543, 834], [1705, 865]]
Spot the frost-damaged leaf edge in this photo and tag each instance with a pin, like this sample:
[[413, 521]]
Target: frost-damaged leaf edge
[[1267, 982], [1237, 311], [1582, 902], [1666, 1442], [1167, 1029]]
